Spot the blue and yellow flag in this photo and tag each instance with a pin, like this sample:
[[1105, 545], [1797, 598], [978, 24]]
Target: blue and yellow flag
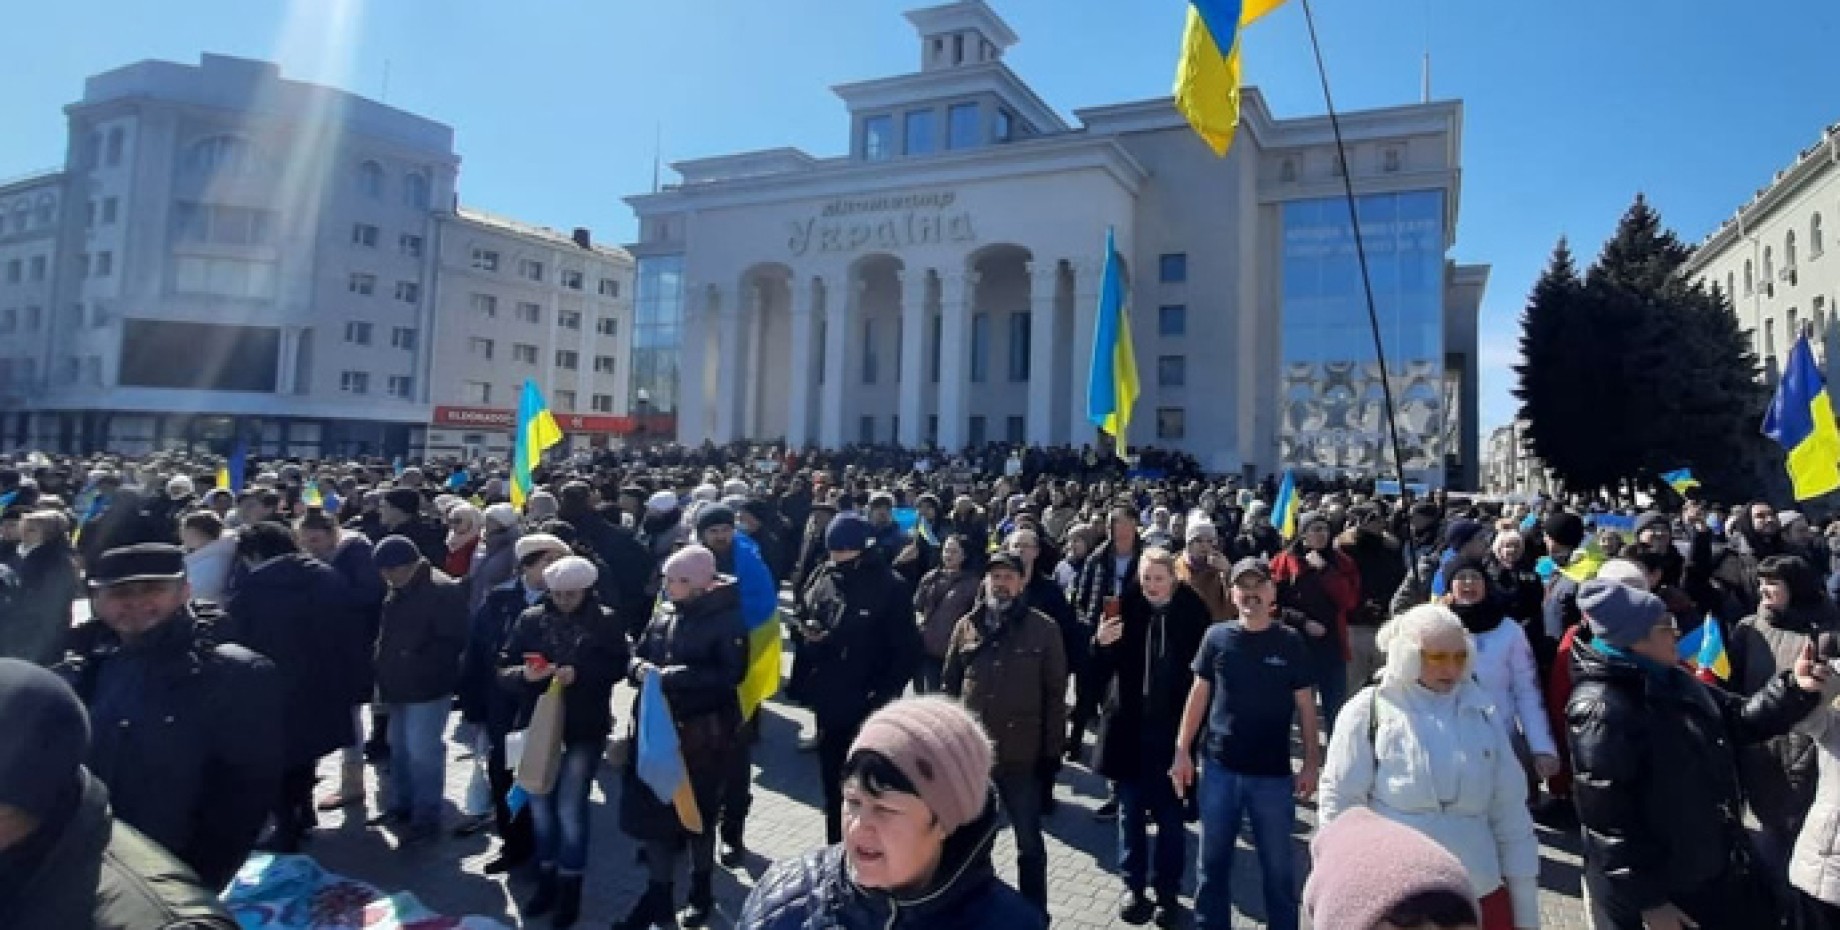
[[1208, 75], [659, 757], [230, 476], [1703, 651], [1284, 512], [1681, 480], [536, 431], [1801, 420], [310, 495], [1113, 388]]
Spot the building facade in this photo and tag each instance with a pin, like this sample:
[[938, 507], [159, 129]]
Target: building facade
[[938, 284], [230, 256], [1509, 467], [1771, 258]]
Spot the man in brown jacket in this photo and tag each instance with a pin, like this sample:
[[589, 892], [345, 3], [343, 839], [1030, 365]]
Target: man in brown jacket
[[1204, 569], [1007, 664]]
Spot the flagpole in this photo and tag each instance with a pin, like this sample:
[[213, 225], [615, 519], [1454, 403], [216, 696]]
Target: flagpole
[[1360, 249]]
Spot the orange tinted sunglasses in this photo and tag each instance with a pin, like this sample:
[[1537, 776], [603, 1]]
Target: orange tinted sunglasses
[[1445, 658]]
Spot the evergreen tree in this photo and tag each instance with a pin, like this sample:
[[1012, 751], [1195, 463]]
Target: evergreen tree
[[1553, 377]]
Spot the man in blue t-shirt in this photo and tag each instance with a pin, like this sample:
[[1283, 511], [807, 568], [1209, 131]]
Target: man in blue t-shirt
[[1252, 680]]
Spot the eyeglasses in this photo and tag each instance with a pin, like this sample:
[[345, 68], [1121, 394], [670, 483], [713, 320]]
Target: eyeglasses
[[1457, 657]]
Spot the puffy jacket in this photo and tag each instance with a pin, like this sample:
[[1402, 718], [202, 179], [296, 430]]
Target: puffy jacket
[[296, 611], [35, 627], [1211, 584], [1014, 678], [1149, 673], [861, 639], [351, 559], [700, 650], [481, 699], [943, 597], [1442, 765], [207, 568], [1778, 774], [423, 632], [1505, 669], [1815, 865], [187, 735], [815, 892], [1382, 566], [628, 567], [588, 641], [1656, 779]]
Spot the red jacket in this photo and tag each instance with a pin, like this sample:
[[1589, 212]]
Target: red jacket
[[1328, 596]]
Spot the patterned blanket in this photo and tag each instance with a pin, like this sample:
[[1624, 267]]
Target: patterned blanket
[[294, 893]]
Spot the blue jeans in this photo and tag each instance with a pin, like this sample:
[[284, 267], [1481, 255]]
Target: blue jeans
[[418, 760], [1227, 800], [559, 820], [1331, 683], [1150, 797]]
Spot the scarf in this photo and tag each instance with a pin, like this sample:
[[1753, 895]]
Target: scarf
[[1479, 618]]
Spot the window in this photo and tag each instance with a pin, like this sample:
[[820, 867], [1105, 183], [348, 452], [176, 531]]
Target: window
[[35, 317], [370, 180], [869, 359], [9, 320], [105, 264], [99, 316], [603, 364], [607, 326], [565, 400], [402, 386], [1172, 268], [1769, 267], [1730, 280], [1171, 423], [1019, 333], [358, 333], [38, 268], [476, 392], [977, 431], [221, 154], [1015, 429], [402, 337], [958, 49], [932, 429], [221, 225], [75, 319], [355, 382], [116, 140], [980, 346], [529, 313], [602, 403], [962, 125], [365, 284], [1339, 167], [865, 430], [1769, 340], [364, 234], [479, 346], [408, 291], [72, 369], [878, 138], [485, 305], [918, 139], [485, 260], [415, 190], [568, 319], [89, 215], [530, 268], [1172, 320], [1789, 251], [1390, 161], [1817, 242], [1819, 309], [524, 352], [1750, 284], [1171, 371], [41, 214], [112, 205], [1793, 330], [571, 279], [14, 271], [610, 287], [568, 359], [224, 277], [1006, 126], [410, 245]]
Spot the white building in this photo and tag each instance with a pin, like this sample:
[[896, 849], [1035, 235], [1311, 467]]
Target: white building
[[1772, 257], [228, 254], [1509, 467], [938, 283]]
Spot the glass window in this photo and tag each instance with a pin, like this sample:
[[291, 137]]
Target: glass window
[[476, 392], [370, 180], [529, 313], [571, 279], [1789, 250], [1750, 284], [878, 138], [110, 206], [607, 326], [610, 287], [415, 190], [603, 364], [1171, 371], [365, 284], [408, 291], [402, 385], [485, 305], [1171, 423], [869, 360], [116, 140], [480, 346], [568, 359], [410, 245], [568, 319], [1172, 268], [1015, 430], [364, 234], [524, 352], [565, 401], [1020, 326], [485, 259], [530, 268], [14, 271], [919, 137], [978, 432], [1172, 320], [980, 346], [963, 126], [402, 337], [105, 264], [1817, 241], [1794, 331], [1005, 125], [355, 382], [865, 430]]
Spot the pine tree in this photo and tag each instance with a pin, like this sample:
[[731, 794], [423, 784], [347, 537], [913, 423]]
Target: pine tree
[[1551, 383]]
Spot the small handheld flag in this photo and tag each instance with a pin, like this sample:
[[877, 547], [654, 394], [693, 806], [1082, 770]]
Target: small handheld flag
[[1681, 480], [1801, 420], [660, 759], [1703, 651], [1284, 512]]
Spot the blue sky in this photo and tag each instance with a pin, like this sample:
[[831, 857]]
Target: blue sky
[[1572, 105]]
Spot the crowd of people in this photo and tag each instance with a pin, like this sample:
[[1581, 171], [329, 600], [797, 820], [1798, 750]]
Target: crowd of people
[[1437, 675]]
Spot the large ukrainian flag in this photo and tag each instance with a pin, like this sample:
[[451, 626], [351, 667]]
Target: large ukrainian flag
[[1113, 388], [1801, 420], [1208, 76], [536, 431]]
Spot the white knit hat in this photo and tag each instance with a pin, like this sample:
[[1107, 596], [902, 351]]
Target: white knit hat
[[539, 542], [573, 573]]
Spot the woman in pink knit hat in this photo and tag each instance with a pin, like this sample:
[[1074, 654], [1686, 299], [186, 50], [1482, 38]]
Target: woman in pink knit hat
[[919, 818]]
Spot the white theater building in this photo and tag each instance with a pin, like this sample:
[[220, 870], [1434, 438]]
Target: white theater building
[[938, 284]]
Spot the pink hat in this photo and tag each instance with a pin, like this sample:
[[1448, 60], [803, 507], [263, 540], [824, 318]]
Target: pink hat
[[1366, 865], [694, 564], [941, 748]]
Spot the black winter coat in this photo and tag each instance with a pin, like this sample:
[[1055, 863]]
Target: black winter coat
[[700, 650], [364, 587], [626, 564], [814, 892], [420, 639], [481, 699], [587, 640], [861, 638], [183, 732], [297, 612], [1656, 777], [1149, 674], [35, 627]]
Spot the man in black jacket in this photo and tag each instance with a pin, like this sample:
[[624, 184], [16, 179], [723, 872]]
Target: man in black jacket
[[188, 734], [619, 551], [859, 629], [1656, 770], [420, 638]]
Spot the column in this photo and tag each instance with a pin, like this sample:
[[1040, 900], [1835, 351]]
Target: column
[[955, 294], [1085, 313], [727, 320], [913, 355], [805, 292], [750, 383], [1044, 282], [839, 315], [692, 397]]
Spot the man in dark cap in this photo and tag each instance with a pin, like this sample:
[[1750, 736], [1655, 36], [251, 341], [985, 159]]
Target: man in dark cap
[[737, 556], [188, 734], [65, 861], [400, 514], [424, 629], [628, 565]]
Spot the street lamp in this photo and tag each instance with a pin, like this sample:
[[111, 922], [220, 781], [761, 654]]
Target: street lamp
[[644, 409]]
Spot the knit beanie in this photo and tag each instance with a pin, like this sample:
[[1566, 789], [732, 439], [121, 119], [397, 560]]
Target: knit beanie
[[572, 573], [847, 533], [662, 502], [407, 500], [538, 542], [694, 564], [1619, 614], [541, 506], [941, 748], [395, 552], [1566, 529], [714, 515], [1352, 888], [501, 516], [47, 738]]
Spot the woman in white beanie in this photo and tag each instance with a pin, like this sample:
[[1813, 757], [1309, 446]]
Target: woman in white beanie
[[570, 638], [1425, 748]]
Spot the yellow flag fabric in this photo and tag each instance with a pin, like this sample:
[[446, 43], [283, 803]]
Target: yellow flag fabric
[[1208, 74]]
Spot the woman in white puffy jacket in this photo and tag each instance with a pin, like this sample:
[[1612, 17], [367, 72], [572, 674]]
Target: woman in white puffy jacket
[[1814, 867], [1504, 667], [210, 552], [1424, 748]]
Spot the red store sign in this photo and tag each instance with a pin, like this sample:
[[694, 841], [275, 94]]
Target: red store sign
[[496, 419]]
